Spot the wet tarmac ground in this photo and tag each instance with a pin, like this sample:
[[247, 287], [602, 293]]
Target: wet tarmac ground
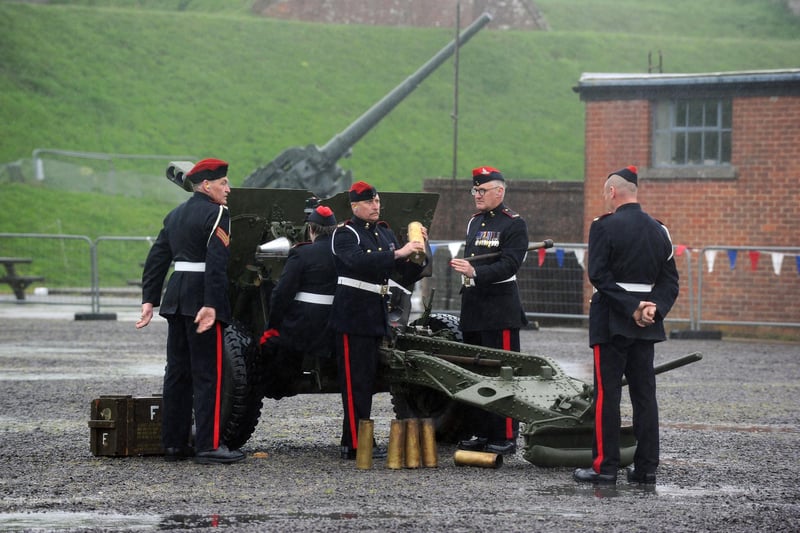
[[730, 449]]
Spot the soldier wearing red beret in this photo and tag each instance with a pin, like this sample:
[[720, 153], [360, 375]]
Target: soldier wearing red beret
[[366, 253], [301, 303], [491, 309], [632, 269], [196, 236]]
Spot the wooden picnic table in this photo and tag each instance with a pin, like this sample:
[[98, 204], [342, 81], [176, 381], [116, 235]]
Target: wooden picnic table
[[18, 283]]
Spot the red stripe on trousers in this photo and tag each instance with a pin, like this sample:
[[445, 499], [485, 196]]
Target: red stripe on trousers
[[348, 380], [507, 347], [598, 412], [217, 402]]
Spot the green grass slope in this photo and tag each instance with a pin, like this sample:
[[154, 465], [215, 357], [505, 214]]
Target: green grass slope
[[208, 78]]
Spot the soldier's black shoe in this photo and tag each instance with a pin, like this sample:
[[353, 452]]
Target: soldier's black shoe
[[588, 475], [634, 476], [505, 447], [178, 454], [475, 444], [220, 455], [346, 452]]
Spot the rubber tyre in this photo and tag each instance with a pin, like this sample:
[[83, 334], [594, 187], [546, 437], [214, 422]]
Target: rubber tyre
[[241, 387], [444, 323]]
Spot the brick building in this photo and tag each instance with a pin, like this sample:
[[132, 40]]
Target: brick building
[[719, 162]]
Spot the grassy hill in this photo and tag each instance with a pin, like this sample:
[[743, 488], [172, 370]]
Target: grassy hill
[[209, 79]]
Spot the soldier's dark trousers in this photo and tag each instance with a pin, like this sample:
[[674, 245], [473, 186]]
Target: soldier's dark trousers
[[358, 364], [193, 380], [634, 360], [496, 428]]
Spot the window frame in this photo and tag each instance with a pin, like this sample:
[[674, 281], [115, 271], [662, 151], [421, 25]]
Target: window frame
[[694, 131]]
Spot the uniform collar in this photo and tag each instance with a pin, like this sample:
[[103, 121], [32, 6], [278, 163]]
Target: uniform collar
[[494, 212], [361, 223]]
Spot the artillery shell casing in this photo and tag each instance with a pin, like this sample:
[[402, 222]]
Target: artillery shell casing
[[430, 456], [397, 443], [364, 451], [415, 234], [412, 443], [482, 459]]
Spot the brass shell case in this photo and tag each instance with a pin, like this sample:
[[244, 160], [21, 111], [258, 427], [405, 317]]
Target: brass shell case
[[397, 443], [412, 443], [482, 459], [364, 451], [415, 234], [430, 456]]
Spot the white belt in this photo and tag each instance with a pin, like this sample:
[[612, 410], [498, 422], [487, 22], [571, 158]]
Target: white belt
[[313, 298], [364, 286], [188, 266], [469, 283], [635, 287]]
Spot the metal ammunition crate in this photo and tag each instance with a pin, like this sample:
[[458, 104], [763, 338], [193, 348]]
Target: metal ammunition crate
[[126, 426]]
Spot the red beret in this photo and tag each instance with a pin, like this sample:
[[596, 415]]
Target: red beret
[[208, 169], [629, 173], [322, 215], [482, 175], [362, 191]]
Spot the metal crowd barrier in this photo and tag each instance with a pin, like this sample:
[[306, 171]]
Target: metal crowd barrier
[[105, 273]]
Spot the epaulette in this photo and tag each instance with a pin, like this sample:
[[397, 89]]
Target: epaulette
[[476, 214], [383, 223], [509, 213], [299, 244], [602, 216]]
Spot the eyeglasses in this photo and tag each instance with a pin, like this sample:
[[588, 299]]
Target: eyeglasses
[[480, 192]]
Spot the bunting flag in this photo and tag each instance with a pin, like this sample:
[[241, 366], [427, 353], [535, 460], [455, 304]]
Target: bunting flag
[[542, 253], [433, 248], [560, 256], [679, 249], [454, 247], [711, 255], [580, 253], [777, 261], [754, 255], [797, 261], [732, 258]]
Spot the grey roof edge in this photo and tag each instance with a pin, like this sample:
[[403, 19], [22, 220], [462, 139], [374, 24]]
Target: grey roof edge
[[605, 83]]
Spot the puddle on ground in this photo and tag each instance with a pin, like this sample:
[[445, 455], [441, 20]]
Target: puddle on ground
[[63, 521]]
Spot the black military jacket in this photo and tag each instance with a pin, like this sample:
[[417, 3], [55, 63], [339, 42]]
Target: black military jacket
[[197, 231], [365, 251], [491, 302], [629, 247], [303, 325]]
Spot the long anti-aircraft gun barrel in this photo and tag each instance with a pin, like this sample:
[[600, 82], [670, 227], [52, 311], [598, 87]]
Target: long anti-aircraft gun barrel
[[315, 169]]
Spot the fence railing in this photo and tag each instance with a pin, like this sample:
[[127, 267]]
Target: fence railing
[[105, 273]]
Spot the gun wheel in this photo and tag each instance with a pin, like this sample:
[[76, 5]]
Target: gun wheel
[[241, 387]]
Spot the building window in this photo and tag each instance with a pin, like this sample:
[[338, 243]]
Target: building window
[[692, 133]]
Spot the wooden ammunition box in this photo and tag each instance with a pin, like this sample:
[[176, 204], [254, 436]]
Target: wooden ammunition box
[[126, 426]]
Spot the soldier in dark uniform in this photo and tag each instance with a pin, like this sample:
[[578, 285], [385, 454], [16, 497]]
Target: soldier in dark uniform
[[196, 235], [366, 253], [300, 306], [491, 309], [632, 269]]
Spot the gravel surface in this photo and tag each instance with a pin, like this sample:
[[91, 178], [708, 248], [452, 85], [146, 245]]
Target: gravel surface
[[730, 450]]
